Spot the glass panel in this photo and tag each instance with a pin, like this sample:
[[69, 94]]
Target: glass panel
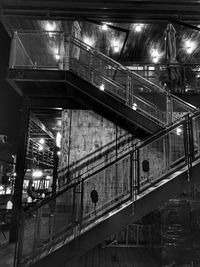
[[43, 50], [58, 51], [196, 135]]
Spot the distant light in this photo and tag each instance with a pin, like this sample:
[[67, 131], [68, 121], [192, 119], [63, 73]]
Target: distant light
[[37, 174], [138, 27], [104, 27], [190, 46], [40, 148], [43, 195], [134, 106], [58, 139], [48, 177], [42, 141], [9, 205], [102, 87], [59, 123], [58, 153], [178, 131], [29, 200]]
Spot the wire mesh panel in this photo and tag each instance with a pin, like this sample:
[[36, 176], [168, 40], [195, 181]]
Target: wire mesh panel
[[28, 236], [59, 51], [161, 156], [111, 187]]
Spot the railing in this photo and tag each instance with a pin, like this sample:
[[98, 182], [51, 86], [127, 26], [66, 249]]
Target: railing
[[59, 51], [71, 212], [186, 78], [96, 160]]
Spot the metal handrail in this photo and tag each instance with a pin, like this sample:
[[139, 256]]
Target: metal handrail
[[181, 161]]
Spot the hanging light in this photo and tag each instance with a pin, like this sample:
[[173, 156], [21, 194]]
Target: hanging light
[[190, 46]]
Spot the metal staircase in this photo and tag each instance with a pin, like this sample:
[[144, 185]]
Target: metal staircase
[[128, 186], [96, 81], [69, 223]]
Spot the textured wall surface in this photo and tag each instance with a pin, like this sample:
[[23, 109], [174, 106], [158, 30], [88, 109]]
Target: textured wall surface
[[85, 133]]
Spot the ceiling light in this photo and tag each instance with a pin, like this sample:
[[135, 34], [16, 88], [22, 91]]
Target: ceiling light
[[57, 57], [190, 46], [138, 27], [104, 27], [88, 41], [58, 153]]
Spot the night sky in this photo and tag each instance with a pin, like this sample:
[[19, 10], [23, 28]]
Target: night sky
[[10, 101]]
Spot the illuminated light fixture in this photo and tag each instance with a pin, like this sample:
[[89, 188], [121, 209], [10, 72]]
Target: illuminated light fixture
[[102, 87], [116, 45], [190, 46], [134, 106], [178, 131], [155, 55], [58, 153], [42, 141], [58, 139], [57, 57], [105, 27], [37, 174], [40, 147], [59, 122], [138, 27], [50, 27], [48, 177], [88, 41]]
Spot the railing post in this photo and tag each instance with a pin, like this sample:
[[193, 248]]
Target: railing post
[[169, 109], [91, 66], [128, 90], [66, 61], [189, 145], [19, 242], [12, 58]]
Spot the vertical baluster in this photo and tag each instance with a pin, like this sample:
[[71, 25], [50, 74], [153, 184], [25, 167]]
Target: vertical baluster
[[12, 58], [20, 241], [67, 51], [128, 90], [91, 68]]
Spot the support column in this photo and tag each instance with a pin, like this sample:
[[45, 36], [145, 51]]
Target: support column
[[20, 170]]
